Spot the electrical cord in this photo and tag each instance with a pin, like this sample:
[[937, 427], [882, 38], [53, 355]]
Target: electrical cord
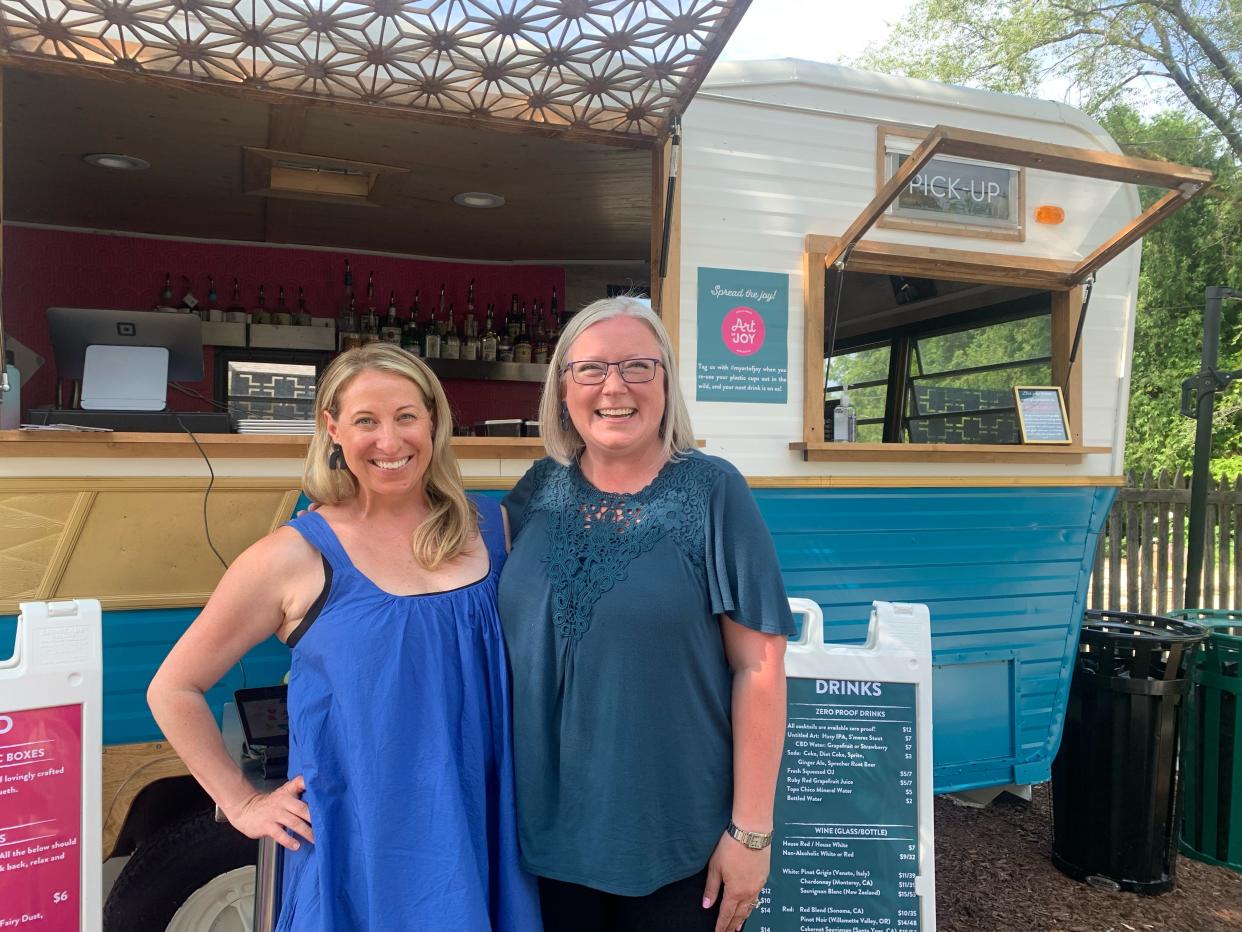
[[211, 481]]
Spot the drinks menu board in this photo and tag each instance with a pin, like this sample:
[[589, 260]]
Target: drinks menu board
[[40, 819], [846, 851]]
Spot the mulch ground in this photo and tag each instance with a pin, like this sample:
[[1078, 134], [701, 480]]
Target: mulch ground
[[994, 873]]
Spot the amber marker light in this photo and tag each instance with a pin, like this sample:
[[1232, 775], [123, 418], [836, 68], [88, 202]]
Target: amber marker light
[[1049, 213]]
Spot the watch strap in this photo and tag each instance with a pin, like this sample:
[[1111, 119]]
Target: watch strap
[[756, 841]]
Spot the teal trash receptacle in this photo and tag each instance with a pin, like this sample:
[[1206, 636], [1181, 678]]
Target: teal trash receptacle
[[1211, 759]]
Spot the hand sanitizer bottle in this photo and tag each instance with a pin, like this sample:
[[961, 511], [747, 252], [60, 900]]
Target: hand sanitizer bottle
[[844, 419]]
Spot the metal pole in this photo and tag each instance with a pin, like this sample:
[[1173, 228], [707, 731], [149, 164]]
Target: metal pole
[[1205, 404]]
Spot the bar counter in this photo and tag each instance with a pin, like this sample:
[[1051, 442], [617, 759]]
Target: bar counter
[[46, 443]]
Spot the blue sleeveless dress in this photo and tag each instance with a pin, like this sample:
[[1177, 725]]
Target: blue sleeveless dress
[[399, 722]]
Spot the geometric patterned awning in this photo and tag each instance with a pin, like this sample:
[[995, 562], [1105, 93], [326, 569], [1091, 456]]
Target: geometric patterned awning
[[618, 67]]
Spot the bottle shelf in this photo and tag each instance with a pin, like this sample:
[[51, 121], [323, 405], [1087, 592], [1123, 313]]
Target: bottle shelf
[[489, 371]]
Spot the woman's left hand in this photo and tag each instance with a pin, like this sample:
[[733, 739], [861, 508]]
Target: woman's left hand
[[743, 872]]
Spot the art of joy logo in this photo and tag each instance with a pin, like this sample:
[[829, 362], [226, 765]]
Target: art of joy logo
[[742, 331]]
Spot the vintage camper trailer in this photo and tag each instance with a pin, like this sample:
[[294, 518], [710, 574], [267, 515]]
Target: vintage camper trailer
[[934, 247]]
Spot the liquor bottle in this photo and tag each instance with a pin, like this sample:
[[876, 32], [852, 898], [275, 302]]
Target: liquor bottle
[[302, 317], [539, 348], [347, 332], [371, 312], [412, 332], [213, 300], [450, 344], [281, 315], [504, 346], [488, 344], [443, 318], [390, 332], [261, 315], [470, 337], [513, 320], [521, 345], [235, 313], [431, 337], [347, 322], [347, 295]]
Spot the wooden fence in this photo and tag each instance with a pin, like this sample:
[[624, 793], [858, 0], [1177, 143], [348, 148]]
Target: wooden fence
[[1140, 565]]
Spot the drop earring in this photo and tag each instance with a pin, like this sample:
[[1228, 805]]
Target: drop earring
[[336, 459], [565, 421]]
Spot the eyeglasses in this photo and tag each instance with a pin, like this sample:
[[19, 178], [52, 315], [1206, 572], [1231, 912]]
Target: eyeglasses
[[595, 371]]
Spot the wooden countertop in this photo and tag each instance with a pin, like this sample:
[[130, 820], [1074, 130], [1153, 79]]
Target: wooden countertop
[[226, 446]]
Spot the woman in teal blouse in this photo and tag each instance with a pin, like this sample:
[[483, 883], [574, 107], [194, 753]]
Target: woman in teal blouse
[[646, 623]]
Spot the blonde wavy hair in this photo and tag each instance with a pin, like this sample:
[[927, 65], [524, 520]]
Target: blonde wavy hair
[[562, 440], [452, 521]]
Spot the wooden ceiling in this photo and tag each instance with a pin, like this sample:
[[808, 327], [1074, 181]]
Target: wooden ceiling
[[564, 200]]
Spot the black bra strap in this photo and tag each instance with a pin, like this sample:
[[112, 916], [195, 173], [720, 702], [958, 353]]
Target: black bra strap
[[316, 607]]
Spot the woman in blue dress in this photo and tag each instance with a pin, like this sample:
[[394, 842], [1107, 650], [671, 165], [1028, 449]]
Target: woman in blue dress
[[399, 814]]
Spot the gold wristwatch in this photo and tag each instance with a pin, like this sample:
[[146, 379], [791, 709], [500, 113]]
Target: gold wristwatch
[[756, 841]]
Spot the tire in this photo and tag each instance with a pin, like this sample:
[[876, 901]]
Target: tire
[[198, 871]]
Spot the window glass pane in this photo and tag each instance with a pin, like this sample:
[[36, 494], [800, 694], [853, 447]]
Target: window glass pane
[[271, 390], [961, 384], [866, 374]]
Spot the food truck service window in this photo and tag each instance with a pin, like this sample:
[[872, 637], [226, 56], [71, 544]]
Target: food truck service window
[[932, 340]]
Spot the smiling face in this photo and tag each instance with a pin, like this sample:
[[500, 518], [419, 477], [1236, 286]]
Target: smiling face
[[616, 418], [385, 431]]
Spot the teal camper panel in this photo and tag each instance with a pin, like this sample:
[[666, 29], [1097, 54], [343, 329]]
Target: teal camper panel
[[1004, 573], [135, 643]]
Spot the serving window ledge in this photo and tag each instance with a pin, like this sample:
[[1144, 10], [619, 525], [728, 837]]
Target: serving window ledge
[[826, 451], [225, 446]]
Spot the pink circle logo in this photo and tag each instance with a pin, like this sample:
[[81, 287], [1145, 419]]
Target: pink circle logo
[[742, 331]]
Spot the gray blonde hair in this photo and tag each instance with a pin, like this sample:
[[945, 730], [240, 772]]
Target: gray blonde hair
[[562, 441], [452, 521]]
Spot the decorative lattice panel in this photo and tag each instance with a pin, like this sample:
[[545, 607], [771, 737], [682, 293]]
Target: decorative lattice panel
[[616, 66]]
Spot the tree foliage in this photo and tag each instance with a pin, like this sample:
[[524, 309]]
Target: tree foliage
[[1182, 53], [1198, 246]]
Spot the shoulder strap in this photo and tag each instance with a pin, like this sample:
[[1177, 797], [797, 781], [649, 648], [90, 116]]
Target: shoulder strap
[[320, 535], [491, 527]]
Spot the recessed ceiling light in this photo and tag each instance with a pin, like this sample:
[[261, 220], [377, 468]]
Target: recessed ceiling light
[[480, 199], [126, 163]]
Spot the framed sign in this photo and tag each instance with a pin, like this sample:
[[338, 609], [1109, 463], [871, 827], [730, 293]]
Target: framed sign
[[955, 196], [1041, 414]]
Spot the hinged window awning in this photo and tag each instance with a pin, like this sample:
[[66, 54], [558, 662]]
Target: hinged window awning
[[612, 70], [860, 255]]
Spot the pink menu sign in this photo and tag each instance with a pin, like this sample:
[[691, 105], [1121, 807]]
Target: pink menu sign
[[40, 819]]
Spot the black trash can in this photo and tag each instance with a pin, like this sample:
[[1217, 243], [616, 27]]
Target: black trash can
[[1114, 781]]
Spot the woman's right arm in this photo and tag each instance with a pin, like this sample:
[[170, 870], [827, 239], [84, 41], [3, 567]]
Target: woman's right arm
[[253, 601]]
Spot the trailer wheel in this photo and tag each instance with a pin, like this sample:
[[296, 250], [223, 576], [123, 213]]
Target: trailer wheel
[[193, 876]]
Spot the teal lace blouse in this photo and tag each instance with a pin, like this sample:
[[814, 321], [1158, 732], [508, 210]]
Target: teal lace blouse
[[622, 692]]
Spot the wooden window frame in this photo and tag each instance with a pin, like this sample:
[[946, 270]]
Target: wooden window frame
[[1063, 279], [1066, 306], [945, 227]]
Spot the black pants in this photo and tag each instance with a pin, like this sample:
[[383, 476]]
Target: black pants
[[678, 907]]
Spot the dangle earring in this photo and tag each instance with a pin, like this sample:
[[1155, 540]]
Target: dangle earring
[[336, 459], [565, 421]]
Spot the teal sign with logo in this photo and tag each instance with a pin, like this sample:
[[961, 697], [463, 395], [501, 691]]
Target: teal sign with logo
[[743, 336]]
